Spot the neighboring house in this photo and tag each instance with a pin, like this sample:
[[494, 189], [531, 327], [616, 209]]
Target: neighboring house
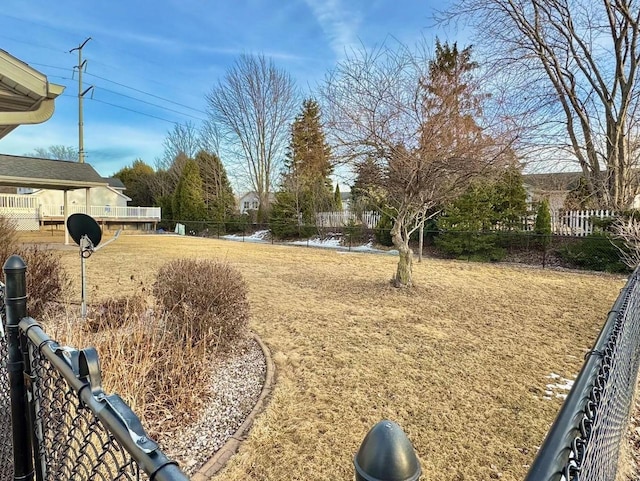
[[554, 187], [111, 195], [251, 201]]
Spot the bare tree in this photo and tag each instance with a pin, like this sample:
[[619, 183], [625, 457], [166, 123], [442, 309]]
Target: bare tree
[[627, 231], [55, 152], [184, 141], [572, 67], [253, 106], [416, 118]]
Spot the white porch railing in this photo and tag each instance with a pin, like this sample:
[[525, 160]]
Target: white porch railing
[[103, 211], [16, 201]]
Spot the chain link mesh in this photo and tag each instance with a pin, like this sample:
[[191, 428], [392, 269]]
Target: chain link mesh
[[6, 448], [71, 442], [595, 453]]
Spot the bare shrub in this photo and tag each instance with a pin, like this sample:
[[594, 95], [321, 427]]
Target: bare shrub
[[164, 381], [206, 301], [627, 231], [116, 312], [8, 238], [47, 280]]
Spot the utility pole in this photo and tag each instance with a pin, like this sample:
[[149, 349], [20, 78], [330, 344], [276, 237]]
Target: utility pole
[[80, 67]]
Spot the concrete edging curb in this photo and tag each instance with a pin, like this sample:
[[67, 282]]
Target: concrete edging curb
[[231, 446]]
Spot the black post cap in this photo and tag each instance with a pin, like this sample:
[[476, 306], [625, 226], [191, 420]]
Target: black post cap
[[386, 454], [14, 263]]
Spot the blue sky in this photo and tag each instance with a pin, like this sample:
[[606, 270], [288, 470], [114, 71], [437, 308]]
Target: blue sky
[[176, 50]]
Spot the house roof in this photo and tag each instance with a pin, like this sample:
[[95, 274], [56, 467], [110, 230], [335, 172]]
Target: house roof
[[553, 181], [20, 171], [26, 96], [115, 183]]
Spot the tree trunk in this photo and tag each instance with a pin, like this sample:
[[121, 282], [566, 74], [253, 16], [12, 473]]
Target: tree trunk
[[420, 239], [400, 236]]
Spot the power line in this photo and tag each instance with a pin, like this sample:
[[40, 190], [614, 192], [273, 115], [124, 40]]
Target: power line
[[132, 110], [100, 87], [114, 82], [148, 103], [147, 93], [33, 44]]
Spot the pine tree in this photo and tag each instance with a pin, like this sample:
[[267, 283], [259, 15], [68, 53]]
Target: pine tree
[[138, 180], [216, 189], [308, 164], [188, 202], [337, 199]]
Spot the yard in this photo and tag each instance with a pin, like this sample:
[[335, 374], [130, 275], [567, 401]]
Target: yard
[[461, 362]]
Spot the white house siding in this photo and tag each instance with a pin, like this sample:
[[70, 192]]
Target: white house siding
[[248, 201], [98, 196]]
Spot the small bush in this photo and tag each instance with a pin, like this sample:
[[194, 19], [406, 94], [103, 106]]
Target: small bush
[[382, 232], [354, 234], [595, 252], [473, 246], [115, 312], [206, 301], [47, 280]]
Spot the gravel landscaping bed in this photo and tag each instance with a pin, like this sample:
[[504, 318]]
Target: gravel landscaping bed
[[236, 383]]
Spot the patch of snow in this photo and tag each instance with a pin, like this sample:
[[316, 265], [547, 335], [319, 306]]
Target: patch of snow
[[328, 243], [556, 389], [258, 236]]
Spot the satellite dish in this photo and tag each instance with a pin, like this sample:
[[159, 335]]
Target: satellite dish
[[85, 232], [80, 225]]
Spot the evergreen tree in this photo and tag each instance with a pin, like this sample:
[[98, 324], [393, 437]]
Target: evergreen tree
[[308, 164], [543, 219], [337, 199], [216, 189], [473, 222], [138, 180], [367, 190], [188, 201]]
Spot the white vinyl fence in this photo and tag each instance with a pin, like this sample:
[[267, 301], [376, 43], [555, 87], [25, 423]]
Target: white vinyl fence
[[21, 210], [576, 222], [567, 223], [344, 218]]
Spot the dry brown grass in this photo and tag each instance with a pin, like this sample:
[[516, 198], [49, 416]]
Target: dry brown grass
[[460, 362]]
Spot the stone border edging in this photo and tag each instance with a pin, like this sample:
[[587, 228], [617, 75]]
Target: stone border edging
[[231, 446]]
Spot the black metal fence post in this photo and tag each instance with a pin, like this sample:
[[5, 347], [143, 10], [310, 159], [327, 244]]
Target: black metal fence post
[[386, 454], [16, 308]]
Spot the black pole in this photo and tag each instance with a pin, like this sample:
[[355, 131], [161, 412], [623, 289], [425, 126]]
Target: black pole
[[16, 304]]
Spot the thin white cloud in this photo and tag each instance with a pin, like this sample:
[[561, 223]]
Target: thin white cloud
[[339, 23]]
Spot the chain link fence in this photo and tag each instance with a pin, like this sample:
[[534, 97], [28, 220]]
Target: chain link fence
[[57, 422], [6, 451], [597, 251], [585, 441]]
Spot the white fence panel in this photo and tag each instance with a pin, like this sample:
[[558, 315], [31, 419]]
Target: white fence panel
[[576, 222], [24, 218], [343, 218]]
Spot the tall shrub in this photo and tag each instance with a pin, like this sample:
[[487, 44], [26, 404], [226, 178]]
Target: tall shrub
[[205, 301], [543, 219]]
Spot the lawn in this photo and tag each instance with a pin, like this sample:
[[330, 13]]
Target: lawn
[[461, 361]]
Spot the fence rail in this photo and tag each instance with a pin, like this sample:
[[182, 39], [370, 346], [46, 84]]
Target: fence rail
[[584, 442], [103, 211], [343, 218], [577, 223], [63, 425]]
